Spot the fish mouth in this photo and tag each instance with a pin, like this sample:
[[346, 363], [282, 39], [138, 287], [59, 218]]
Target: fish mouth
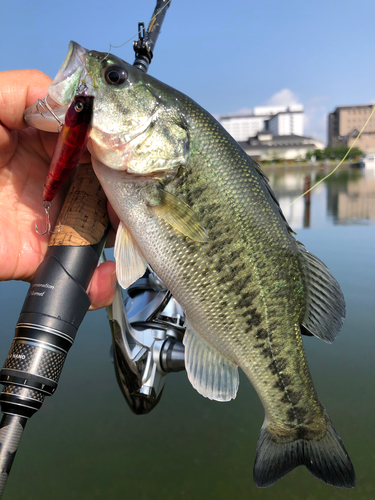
[[61, 92], [64, 87]]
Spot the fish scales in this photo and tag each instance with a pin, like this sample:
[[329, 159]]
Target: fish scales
[[216, 277], [245, 298], [195, 207]]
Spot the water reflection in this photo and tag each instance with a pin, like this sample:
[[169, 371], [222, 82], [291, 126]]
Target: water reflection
[[358, 202], [347, 197], [86, 444]]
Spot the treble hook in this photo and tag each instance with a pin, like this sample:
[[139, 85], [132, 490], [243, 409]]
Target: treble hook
[[46, 107], [47, 207]]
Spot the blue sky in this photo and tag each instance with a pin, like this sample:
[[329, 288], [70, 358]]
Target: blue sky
[[228, 56]]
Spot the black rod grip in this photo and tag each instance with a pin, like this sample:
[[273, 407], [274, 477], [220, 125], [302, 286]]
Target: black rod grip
[[53, 310], [57, 295]]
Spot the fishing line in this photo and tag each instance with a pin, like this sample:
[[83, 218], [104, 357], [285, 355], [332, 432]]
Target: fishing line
[[150, 24], [334, 170]]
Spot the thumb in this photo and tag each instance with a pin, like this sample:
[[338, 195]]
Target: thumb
[[18, 89]]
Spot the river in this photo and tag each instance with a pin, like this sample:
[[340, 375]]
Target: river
[[85, 443]]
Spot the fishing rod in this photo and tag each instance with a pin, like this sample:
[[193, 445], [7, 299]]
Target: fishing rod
[[57, 299], [54, 308], [148, 326]]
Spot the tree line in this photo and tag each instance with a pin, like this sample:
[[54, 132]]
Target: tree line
[[333, 153]]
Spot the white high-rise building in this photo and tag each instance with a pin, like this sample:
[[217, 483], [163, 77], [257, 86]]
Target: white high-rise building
[[243, 127], [286, 123]]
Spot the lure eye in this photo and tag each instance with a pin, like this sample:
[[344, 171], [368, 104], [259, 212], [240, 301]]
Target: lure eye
[[78, 106], [115, 75]]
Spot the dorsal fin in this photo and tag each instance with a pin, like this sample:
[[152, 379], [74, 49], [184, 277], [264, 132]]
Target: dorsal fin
[[265, 181], [325, 304], [305, 331]]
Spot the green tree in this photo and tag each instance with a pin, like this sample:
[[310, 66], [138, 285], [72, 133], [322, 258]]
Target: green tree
[[335, 153], [330, 153], [339, 152], [355, 152], [318, 153]]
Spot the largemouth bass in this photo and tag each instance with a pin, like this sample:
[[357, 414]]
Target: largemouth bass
[[200, 211]]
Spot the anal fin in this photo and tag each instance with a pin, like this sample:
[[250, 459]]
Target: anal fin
[[209, 372], [130, 263]]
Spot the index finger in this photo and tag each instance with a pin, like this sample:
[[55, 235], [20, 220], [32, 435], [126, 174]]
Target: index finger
[[18, 90]]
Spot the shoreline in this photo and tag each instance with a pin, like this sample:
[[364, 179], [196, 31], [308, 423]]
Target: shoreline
[[306, 166]]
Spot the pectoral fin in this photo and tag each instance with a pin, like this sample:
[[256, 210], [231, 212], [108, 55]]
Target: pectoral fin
[[130, 263], [209, 372], [180, 216]]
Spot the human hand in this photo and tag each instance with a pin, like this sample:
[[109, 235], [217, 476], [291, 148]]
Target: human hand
[[25, 155]]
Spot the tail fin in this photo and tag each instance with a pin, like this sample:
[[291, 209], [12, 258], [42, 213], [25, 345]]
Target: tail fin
[[326, 459]]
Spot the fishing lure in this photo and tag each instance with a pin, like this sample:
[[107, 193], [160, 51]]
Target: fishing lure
[[70, 146]]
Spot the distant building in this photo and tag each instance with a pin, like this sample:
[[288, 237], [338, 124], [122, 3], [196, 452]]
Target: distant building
[[345, 123], [280, 120], [286, 123], [266, 146], [243, 127]]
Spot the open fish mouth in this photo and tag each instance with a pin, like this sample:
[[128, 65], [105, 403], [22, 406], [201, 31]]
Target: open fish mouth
[[61, 92], [65, 85]]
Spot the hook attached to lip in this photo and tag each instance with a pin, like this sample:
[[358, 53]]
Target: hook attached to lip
[[43, 103], [47, 208]]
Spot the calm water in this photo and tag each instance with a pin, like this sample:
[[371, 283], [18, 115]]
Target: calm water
[[86, 444]]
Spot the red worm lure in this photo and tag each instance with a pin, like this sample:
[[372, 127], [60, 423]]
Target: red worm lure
[[70, 146]]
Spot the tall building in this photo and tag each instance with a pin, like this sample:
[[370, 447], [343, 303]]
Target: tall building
[[345, 123], [280, 120], [286, 123], [243, 127]]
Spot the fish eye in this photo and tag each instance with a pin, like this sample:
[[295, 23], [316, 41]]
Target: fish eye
[[115, 75], [78, 106]]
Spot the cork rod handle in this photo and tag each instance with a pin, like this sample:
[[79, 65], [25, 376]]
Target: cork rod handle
[[83, 219]]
